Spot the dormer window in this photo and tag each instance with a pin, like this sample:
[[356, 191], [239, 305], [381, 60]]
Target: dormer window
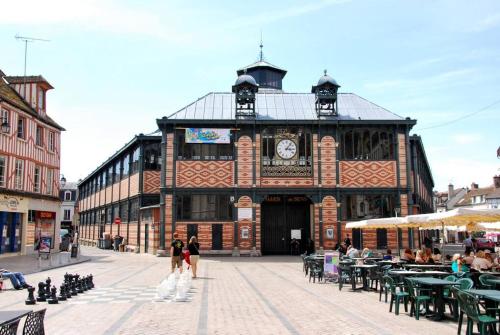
[[41, 99], [67, 196]]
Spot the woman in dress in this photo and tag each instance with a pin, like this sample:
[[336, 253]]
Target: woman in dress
[[194, 254]]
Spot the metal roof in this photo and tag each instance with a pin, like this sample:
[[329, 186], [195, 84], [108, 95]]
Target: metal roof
[[276, 105], [260, 63]]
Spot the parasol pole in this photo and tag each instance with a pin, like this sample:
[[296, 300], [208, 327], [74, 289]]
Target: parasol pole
[[442, 241]]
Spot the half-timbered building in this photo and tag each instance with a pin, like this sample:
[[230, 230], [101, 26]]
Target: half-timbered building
[[29, 166]]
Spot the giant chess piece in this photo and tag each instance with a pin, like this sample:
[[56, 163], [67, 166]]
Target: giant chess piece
[[67, 291], [31, 296], [41, 292], [91, 279], [73, 287], [62, 292], [79, 285], [47, 286], [67, 278], [53, 296]]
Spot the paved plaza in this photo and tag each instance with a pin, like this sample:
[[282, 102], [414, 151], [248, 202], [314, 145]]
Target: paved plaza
[[266, 295]]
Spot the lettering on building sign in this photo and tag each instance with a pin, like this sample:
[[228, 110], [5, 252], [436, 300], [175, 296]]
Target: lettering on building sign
[[46, 215], [273, 198], [11, 203]]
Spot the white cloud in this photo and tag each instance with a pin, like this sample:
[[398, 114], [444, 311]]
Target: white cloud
[[491, 21], [462, 172], [467, 138]]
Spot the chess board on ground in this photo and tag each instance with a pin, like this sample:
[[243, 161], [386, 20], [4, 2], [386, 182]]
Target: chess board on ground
[[115, 295]]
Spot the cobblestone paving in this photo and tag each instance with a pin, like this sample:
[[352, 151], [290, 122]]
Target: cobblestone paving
[[267, 295]]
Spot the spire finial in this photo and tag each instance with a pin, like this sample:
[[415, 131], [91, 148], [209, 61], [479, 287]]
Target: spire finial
[[261, 46], [324, 71]]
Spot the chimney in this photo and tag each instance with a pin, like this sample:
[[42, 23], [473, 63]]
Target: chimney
[[474, 186], [496, 181], [450, 191]]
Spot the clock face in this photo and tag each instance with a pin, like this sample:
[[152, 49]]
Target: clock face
[[286, 149]]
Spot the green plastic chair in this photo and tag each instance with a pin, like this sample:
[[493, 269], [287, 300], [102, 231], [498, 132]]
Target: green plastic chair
[[483, 280], [384, 287], [452, 300], [417, 299], [446, 291], [396, 295], [470, 305]]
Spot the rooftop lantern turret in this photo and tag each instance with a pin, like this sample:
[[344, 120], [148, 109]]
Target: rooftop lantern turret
[[326, 96], [245, 88]]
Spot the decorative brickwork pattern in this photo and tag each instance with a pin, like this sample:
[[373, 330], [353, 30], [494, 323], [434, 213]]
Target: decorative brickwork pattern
[[258, 227], [329, 212], [404, 204], [168, 218], [258, 149], [169, 167], [368, 174], [286, 182], [151, 182], [245, 243], [245, 164], [402, 159], [315, 159], [205, 174], [316, 226], [328, 158]]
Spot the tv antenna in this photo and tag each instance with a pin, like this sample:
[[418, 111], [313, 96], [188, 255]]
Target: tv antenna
[[26, 39]]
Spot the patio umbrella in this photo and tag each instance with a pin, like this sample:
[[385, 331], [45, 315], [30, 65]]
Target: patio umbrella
[[392, 222]]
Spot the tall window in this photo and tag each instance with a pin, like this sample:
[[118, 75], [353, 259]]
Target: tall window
[[36, 180], [152, 156], [3, 170], [109, 176], [125, 166], [367, 144], [21, 128], [116, 172], [204, 207], [52, 141], [50, 180], [199, 151], [135, 161], [4, 116], [67, 214], [19, 177], [67, 196], [41, 100], [39, 136]]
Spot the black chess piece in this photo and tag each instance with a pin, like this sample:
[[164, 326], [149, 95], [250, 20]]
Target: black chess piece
[[62, 293], [91, 279], [67, 277], [73, 288], [79, 286], [47, 286], [53, 296], [41, 292], [31, 296], [89, 284], [84, 283], [67, 291]]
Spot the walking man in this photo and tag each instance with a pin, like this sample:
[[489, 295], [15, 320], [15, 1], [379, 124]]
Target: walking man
[[176, 252]]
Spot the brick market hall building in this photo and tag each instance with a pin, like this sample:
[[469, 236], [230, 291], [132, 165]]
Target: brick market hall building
[[248, 170]]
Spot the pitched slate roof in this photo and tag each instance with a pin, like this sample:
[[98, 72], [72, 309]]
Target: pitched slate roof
[[277, 105], [29, 79], [9, 95], [468, 198]]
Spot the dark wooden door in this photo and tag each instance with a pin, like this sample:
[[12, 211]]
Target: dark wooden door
[[217, 237], [356, 239], [381, 238], [279, 218], [192, 230], [146, 238]]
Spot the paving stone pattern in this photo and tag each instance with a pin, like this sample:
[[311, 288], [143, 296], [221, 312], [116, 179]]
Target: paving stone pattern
[[267, 295]]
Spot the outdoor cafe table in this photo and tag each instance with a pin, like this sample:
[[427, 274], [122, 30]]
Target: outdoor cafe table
[[427, 266], [438, 286], [364, 271], [8, 316], [405, 273]]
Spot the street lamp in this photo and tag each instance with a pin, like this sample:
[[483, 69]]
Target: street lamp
[[5, 127], [63, 180]]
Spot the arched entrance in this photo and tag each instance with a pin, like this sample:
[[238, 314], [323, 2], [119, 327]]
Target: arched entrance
[[282, 214]]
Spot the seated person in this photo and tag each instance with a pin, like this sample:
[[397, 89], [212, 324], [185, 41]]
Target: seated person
[[458, 264], [366, 253], [469, 257], [352, 252], [388, 255], [408, 255], [492, 258], [16, 278], [480, 263], [420, 258], [436, 255]]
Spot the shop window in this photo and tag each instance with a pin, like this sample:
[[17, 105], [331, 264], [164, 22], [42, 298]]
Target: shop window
[[367, 144], [204, 207], [3, 169], [31, 215], [203, 151], [361, 207], [152, 156]]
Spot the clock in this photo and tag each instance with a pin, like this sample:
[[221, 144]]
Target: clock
[[286, 149]]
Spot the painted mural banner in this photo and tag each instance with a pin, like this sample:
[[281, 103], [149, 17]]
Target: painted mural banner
[[45, 244], [208, 135], [330, 265]]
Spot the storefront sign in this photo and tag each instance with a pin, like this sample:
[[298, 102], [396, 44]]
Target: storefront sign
[[208, 135], [13, 204], [296, 234], [45, 215], [244, 213], [330, 264]]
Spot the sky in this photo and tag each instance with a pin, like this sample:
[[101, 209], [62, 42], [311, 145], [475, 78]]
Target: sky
[[117, 66]]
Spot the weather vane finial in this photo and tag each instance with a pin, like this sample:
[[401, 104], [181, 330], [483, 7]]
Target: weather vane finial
[[261, 46], [324, 71]]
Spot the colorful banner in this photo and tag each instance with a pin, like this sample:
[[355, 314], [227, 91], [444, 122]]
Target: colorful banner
[[330, 265], [208, 135]]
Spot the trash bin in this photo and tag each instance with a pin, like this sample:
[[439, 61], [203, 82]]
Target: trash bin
[[117, 241], [74, 250]]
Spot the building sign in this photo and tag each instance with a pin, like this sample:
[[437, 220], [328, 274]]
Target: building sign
[[208, 135], [13, 204], [296, 234], [244, 213], [45, 215], [244, 232]]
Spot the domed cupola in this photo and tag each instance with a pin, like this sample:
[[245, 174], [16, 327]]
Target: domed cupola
[[326, 96], [245, 88]]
